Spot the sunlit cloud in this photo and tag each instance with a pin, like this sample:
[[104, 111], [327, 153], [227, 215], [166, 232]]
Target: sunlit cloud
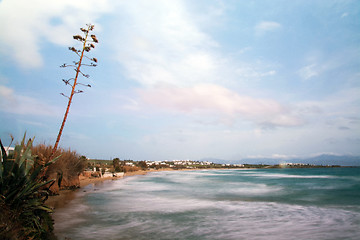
[[172, 49], [216, 100], [309, 71], [25, 25]]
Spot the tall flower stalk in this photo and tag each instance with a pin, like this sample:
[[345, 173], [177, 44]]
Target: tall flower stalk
[[88, 40]]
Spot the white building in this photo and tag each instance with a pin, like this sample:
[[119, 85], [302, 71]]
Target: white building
[[9, 150]]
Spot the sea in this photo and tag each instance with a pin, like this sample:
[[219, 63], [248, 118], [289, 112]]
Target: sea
[[310, 203]]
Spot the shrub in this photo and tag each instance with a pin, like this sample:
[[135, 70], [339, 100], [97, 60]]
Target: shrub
[[23, 214], [66, 169], [130, 169]]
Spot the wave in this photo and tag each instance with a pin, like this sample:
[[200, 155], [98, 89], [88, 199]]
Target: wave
[[279, 175], [211, 205]]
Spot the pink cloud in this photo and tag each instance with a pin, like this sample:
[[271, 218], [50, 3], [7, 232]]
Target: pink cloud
[[224, 103]]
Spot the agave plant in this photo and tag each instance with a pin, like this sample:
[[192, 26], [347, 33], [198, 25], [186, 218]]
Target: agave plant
[[23, 191]]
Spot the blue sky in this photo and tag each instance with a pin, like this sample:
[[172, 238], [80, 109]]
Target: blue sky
[[186, 79]]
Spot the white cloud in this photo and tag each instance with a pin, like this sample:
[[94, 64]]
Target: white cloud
[[309, 71], [249, 72], [6, 94], [266, 26], [210, 99], [26, 24], [318, 63], [345, 14], [161, 43], [17, 104]]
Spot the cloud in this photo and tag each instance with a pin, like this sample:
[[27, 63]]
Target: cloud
[[162, 43], [345, 14], [7, 94], [210, 99], [319, 63], [25, 25], [309, 71], [247, 72], [266, 26], [338, 111], [11, 102]]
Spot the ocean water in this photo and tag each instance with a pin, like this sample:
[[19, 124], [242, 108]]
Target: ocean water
[[321, 203]]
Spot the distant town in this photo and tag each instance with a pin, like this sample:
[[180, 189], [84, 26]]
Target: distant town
[[117, 165]]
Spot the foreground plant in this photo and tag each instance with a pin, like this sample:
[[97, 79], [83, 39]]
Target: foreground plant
[[23, 214], [88, 40]]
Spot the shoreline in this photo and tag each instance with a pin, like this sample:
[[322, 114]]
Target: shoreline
[[65, 196]]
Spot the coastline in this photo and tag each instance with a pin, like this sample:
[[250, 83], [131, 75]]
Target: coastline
[[65, 196]]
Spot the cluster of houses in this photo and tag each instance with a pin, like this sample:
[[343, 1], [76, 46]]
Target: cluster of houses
[[177, 163], [294, 164], [188, 164], [106, 169]]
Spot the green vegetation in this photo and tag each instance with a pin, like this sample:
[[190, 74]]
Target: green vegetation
[[130, 165], [117, 165], [27, 177], [23, 192]]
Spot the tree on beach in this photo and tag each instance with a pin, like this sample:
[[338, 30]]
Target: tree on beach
[[142, 165], [88, 40], [116, 164]]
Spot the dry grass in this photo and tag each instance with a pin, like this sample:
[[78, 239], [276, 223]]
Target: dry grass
[[69, 165]]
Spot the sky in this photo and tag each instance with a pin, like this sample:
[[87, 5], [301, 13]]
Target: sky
[[185, 79]]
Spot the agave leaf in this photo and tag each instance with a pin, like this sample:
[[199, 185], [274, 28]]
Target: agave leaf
[[52, 161], [13, 195], [41, 184], [23, 189], [45, 208], [23, 140], [32, 187], [8, 165], [34, 175], [21, 169], [26, 157], [18, 151]]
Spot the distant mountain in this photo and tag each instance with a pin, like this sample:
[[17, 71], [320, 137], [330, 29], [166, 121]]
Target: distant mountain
[[324, 159]]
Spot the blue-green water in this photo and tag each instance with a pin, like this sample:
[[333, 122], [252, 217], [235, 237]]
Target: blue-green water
[[276, 204]]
